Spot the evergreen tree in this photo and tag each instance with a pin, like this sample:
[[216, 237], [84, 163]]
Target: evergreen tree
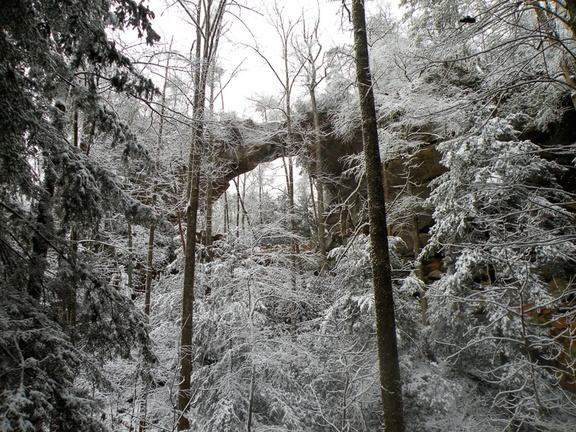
[[54, 56], [508, 241]]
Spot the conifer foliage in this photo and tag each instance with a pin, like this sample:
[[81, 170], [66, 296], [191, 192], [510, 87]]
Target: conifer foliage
[[504, 292], [59, 318]]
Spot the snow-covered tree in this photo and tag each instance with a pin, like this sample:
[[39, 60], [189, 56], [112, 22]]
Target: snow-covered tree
[[507, 237], [60, 318]]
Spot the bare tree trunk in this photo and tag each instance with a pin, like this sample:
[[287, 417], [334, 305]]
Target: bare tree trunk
[[44, 226], [390, 385], [417, 247], [292, 207], [149, 270], [209, 205], [319, 173], [207, 33], [193, 192], [289, 175], [237, 207], [260, 194], [130, 265], [251, 400], [240, 204], [313, 199], [226, 214], [152, 230], [184, 396]]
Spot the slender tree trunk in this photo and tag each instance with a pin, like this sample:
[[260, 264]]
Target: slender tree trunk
[[237, 207], [209, 184], [184, 396], [207, 33], [130, 264], [72, 300], [292, 206], [226, 214], [152, 230], [193, 192], [288, 163], [149, 270], [419, 274], [251, 400], [44, 226], [390, 385], [260, 195], [319, 173], [313, 199], [417, 247], [209, 205], [240, 203]]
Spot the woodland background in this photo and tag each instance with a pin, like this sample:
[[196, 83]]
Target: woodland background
[[125, 193]]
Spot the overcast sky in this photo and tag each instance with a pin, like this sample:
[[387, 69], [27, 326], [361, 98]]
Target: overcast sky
[[248, 26]]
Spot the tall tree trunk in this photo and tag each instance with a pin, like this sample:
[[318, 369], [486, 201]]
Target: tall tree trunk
[[237, 207], [184, 395], [226, 214], [44, 223], [390, 385], [193, 192], [209, 183], [207, 34], [209, 210], [240, 204], [151, 233], [149, 270], [130, 264], [44, 227], [260, 194], [242, 201], [319, 172], [417, 247], [288, 163], [311, 183]]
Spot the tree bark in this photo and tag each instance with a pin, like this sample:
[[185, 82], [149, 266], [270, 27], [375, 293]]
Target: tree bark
[[186, 335], [319, 171], [193, 192], [390, 385], [209, 208], [130, 264], [226, 214], [149, 270], [207, 34]]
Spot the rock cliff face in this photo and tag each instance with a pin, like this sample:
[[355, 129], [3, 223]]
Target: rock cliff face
[[244, 145]]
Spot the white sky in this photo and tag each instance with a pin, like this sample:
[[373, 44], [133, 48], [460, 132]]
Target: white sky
[[255, 77]]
